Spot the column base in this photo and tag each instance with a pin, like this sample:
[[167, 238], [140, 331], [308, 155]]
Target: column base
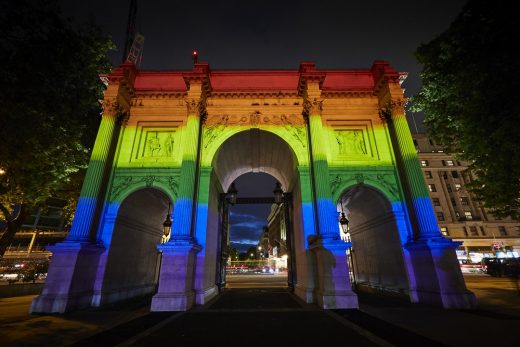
[[437, 278], [175, 291], [334, 289], [203, 296], [70, 281]]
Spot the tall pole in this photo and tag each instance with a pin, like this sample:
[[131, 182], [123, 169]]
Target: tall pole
[[130, 29]]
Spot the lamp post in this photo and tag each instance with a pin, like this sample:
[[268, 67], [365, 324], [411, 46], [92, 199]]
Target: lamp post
[[278, 193], [232, 194], [167, 225], [343, 221]]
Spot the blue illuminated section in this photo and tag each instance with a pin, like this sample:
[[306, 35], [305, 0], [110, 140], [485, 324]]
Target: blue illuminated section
[[308, 222], [328, 218], [402, 220], [428, 226], [82, 219], [108, 223], [201, 225], [182, 217]]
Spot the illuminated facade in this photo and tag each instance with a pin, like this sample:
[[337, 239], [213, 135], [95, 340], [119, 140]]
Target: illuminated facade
[[460, 217], [330, 137]]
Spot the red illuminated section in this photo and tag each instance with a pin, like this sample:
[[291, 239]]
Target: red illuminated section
[[264, 80]]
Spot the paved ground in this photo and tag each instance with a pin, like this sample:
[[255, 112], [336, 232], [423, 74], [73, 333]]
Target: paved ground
[[253, 315]]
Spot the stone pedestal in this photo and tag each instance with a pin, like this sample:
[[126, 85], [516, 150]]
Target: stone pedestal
[[437, 278], [71, 276], [334, 288], [176, 278]]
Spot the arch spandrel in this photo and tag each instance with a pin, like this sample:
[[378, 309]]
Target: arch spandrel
[[385, 182], [215, 135], [123, 185]]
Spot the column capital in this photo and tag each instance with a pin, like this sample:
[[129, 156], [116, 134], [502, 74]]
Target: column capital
[[392, 108], [312, 106], [196, 107]]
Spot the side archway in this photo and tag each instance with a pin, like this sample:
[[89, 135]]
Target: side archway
[[129, 267], [377, 250]]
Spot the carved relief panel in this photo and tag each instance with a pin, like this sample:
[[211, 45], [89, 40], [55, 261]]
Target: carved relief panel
[[352, 141], [155, 142]]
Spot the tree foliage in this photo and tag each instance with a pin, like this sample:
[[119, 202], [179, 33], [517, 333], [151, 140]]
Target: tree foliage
[[50, 111], [469, 96]]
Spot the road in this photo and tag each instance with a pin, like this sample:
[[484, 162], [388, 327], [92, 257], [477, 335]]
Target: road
[[256, 281]]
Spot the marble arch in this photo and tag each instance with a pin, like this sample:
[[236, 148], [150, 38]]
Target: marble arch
[[162, 129]]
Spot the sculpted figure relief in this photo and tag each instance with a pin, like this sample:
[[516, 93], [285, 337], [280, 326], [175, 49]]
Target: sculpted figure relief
[[351, 142]]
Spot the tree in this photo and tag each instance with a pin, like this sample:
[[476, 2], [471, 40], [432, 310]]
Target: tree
[[470, 82], [49, 72]]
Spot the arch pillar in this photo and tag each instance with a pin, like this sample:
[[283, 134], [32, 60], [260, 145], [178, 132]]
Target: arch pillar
[[79, 255], [437, 278], [175, 291], [334, 289]]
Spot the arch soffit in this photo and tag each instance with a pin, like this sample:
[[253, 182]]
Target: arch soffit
[[212, 152]]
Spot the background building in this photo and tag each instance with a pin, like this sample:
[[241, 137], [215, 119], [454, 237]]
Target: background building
[[461, 217]]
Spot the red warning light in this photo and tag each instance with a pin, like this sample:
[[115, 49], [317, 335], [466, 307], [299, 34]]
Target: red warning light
[[195, 55]]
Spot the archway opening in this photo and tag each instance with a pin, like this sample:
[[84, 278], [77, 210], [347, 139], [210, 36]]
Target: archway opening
[[376, 257], [133, 261], [258, 250], [255, 160]]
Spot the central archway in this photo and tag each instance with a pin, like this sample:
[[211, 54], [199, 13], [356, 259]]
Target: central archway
[[253, 150]]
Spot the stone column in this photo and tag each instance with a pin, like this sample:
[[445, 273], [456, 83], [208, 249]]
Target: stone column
[[73, 269], [82, 226], [333, 288], [176, 292], [434, 271]]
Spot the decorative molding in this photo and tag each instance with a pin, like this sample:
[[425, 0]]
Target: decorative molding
[[121, 183], [292, 123]]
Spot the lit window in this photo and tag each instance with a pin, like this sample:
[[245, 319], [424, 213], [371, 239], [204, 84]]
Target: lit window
[[502, 231], [464, 200], [440, 216], [436, 202], [431, 188], [428, 174], [473, 231], [444, 231], [468, 215], [449, 162], [458, 187], [424, 162]]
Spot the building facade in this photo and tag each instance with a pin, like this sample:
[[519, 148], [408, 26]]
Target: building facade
[[460, 217], [173, 142]]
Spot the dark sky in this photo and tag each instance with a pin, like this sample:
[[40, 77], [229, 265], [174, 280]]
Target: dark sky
[[249, 34]]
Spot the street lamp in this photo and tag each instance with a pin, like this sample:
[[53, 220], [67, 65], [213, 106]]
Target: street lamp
[[232, 194], [167, 225], [343, 221], [278, 193]]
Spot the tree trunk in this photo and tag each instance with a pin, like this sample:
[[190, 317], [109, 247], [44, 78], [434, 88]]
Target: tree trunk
[[13, 226]]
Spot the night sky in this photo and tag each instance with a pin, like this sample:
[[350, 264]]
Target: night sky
[[269, 34]]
